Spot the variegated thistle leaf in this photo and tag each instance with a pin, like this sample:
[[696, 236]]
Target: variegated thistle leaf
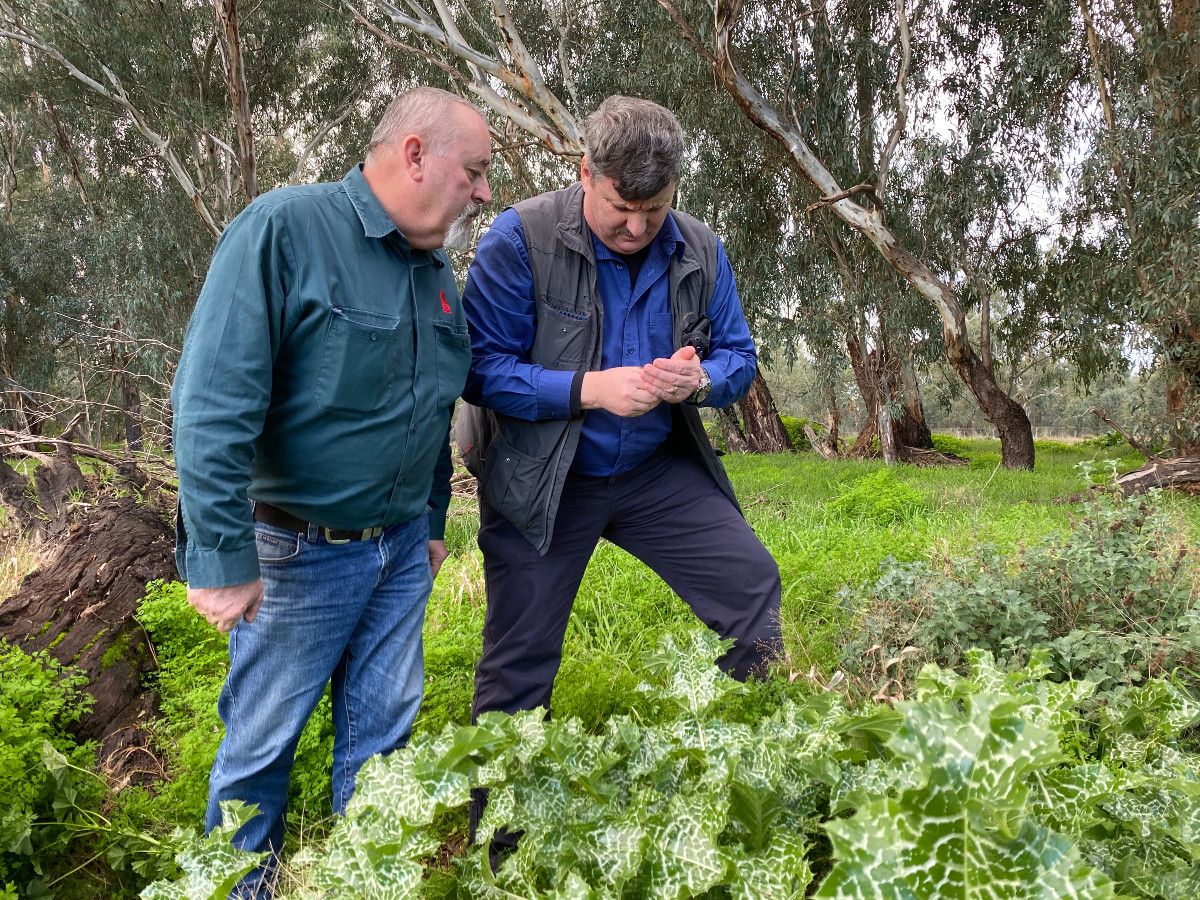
[[683, 859], [1069, 798], [686, 678], [965, 832], [778, 872], [210, 864]]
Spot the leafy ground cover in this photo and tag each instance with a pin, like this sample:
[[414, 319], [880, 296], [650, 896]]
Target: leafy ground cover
[[837, 529], [989, 784]]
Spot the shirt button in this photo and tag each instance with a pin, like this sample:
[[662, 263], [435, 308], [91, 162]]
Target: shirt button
[[374, 337]]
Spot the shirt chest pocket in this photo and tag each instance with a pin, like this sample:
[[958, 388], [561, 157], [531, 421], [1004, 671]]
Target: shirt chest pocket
[[358, 366], [453, 343]]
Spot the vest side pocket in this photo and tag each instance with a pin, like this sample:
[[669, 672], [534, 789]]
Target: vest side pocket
[[510, 480]]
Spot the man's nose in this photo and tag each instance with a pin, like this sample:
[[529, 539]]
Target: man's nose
[[636, 225], [482, 192]]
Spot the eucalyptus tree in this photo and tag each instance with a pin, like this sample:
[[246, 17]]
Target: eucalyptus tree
[[868, 206], [1136, 244], [152, 124]]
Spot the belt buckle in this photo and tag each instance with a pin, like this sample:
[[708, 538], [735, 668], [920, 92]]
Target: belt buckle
[[330, 539]]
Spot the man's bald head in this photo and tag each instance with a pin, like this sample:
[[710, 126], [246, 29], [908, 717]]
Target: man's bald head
[[427, 112]]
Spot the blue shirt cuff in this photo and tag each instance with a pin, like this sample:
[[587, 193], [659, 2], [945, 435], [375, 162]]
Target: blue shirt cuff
[[554, 394], [221, 568]]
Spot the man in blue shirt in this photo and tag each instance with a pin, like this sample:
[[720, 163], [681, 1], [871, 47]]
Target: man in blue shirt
[[311, 413], [600, 320]]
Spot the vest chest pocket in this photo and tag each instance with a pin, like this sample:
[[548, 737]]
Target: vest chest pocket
[[562, 338], [358, 367], [453, 343]]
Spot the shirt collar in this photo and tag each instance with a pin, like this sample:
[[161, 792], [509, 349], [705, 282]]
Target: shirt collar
[[376, 222]]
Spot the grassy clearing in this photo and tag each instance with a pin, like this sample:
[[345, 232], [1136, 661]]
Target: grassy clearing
[[17, 559], [825, 527]]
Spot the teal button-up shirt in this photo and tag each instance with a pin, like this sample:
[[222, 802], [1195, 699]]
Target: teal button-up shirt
[[319, 373]]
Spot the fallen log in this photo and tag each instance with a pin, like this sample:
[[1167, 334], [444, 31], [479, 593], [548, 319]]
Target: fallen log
[[1182, 473], [79, 607]]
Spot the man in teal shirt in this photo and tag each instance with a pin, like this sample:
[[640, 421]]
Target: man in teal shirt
[[311, 413]]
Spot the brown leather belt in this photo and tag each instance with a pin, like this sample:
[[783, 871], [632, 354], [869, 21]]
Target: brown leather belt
[[273, 515]]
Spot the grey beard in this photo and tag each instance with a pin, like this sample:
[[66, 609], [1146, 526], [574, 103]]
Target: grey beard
[[458, 236]]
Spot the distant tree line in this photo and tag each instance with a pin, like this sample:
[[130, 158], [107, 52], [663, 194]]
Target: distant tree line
[[998, 196]]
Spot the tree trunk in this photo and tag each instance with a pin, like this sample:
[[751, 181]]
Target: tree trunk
[[824, 448], [832, 417], [764, 430], [731, 430], [131, 413], [865, 378], [85, 424], [887, 434], [239, 94], [881, 378], [1006, 415], [911, 429], [1183, 389], [1181, 472], [15, 497], [59, 482], [80, 608]]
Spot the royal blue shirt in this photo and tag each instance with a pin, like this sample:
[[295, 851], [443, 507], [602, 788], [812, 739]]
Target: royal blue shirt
[[501, 312]]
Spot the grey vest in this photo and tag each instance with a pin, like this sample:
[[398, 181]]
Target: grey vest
[[526, 463]]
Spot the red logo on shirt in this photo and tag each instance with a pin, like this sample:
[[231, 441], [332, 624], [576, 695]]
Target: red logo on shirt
[[445, 306]]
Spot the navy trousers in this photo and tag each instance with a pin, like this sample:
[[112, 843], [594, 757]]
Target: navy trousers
[[668, 513]]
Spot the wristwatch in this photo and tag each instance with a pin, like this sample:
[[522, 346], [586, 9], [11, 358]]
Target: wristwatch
[[701, 393]]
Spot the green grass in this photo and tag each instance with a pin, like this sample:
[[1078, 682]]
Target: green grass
[[821, 546]]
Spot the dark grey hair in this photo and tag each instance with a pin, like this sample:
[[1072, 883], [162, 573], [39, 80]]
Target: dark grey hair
[[420, 111], [636, 143]]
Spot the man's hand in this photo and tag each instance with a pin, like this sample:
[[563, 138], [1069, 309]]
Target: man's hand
[[437, 555], [674, 379], [223, 607], [622, 391]]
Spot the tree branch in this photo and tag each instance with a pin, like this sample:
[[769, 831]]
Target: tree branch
[[1140, 446], [116, 94], [866, 187], [336, 119], [885, 159], [540, 113], [239, 94]]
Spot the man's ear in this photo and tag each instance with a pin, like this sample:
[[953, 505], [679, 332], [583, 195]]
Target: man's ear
[[585, 169], [412, 156]]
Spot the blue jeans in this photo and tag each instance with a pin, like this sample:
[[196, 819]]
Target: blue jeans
[[350, 614]]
